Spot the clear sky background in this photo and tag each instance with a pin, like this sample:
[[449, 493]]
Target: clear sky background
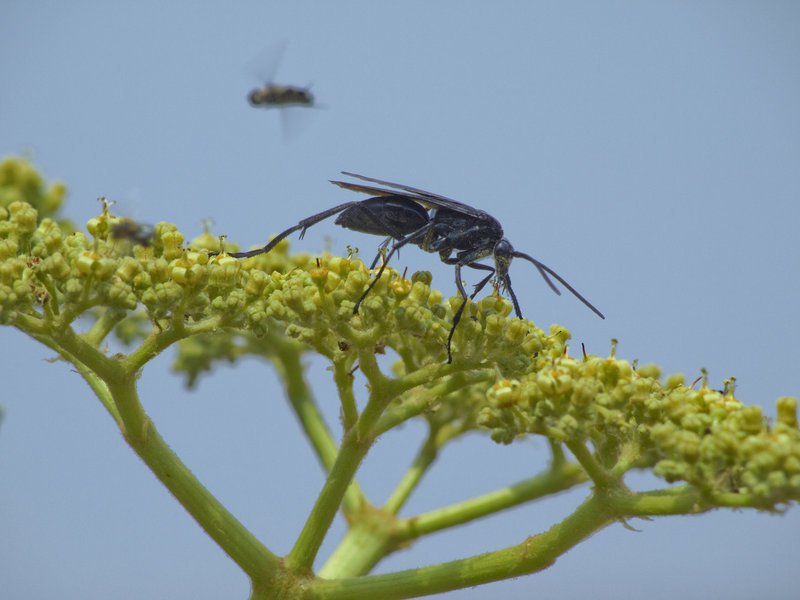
[[647, 151]]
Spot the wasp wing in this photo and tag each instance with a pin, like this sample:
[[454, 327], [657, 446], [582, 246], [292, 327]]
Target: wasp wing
[[264, 66], [428, 199]]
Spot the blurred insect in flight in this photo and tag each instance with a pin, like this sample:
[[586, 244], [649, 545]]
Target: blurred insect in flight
[[460, 234], [138, 233], [273, 95]]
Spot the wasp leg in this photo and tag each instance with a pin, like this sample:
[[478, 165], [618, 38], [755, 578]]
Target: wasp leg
[[381, 251], [463, 292], [402, 241], [304, 224]]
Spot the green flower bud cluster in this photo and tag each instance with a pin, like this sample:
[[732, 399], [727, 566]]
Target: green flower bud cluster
[[314, 298], [508, 377], [718, 444], [704, 437], [20, 182], [47, 272]]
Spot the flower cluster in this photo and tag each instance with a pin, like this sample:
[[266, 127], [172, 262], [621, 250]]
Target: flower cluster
[[508, 377], [701, 436], [51, 273]]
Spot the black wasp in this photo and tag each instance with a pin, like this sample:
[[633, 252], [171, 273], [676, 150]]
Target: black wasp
[[461, 234]]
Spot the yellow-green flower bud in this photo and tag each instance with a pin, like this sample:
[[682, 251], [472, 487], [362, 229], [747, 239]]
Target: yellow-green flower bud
[[419, 293], [495, 324], [120, 294], [688, 445], [423, 277], [73, 288], [752, 419], [225, 273], [401, 287], [650, 370], [171, 238], [23, 216], [11, 270], [54, 197], [547, 384], [787, 411], [158, 270], [504, 393], [178, 273], [56, 266], [8, 248], [185, 272], [516, 332], [128, 269], [77, 240], [496, 304], [355, 284], [332, 282], [92, 264], [675, 380], [435, 297], [256, 282]]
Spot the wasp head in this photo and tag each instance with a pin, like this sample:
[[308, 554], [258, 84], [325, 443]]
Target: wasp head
[[503, 255], [504, 252]]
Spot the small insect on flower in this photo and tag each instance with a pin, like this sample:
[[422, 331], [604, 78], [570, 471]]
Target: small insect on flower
[[130, 230], [460, 234]]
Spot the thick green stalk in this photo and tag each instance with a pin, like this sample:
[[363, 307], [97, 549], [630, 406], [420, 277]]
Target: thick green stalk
[[140, 432], [288, 361], [355, 445], [534, 554]]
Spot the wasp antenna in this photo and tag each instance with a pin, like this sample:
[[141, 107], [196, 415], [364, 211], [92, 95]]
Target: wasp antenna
[[542, 271], [543, 268]]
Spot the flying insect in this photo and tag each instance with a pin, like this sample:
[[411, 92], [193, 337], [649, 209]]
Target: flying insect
[[274, 95], [138, 233], [270, 94], [460, 234]]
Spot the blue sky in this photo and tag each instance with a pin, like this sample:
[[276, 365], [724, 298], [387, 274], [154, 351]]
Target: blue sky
[[649, 152]]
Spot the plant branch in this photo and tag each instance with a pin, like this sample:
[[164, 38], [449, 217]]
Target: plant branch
[[534, 554], [287, 359], [550, 482], [140, 432]]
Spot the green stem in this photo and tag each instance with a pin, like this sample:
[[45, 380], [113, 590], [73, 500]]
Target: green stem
[[287, 360], [424, 398], [555, 480], [81, 353], [319, 521], [366, 542], [343, 378], [377, 535], [534, 554], [355, 445], [140, 433], [601, 478], [425, 457], [33, 324], [103, 326], [96, 383], [153, 345], [101, 390], [682, 500]]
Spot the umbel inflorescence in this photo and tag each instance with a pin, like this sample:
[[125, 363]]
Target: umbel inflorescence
[[51, 275]]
